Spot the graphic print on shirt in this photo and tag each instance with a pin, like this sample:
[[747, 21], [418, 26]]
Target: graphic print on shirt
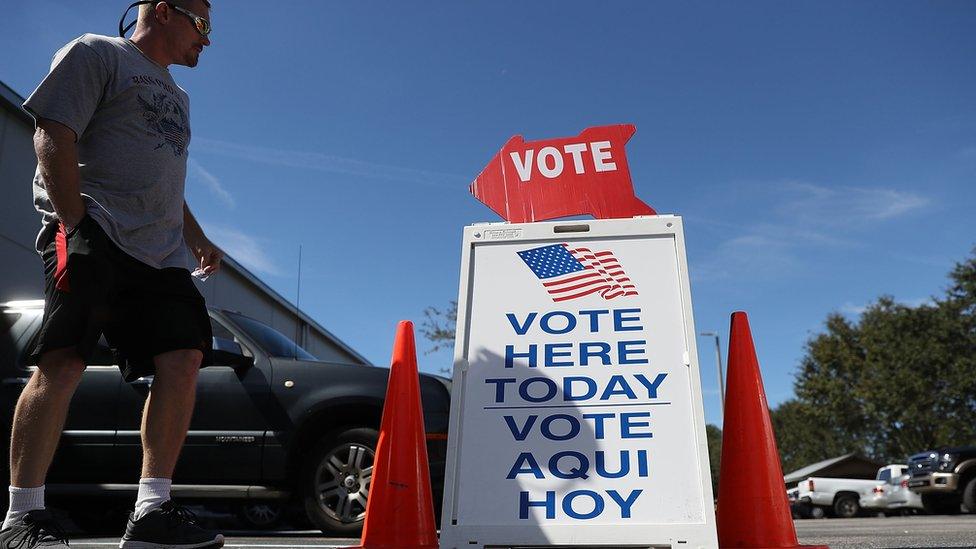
[[166, 119]]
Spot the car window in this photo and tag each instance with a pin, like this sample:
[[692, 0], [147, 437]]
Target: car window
[[885, 474], [272, 341], [221, 331]]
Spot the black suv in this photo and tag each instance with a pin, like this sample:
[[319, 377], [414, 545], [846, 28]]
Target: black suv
[[272, 426], [945, 478]]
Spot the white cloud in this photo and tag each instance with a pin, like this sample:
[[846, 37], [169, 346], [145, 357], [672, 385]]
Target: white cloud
[[808, 203], [211, 182], [246, 249], [761, 255], [327, 163], [854, 309], [799, 218], [917, 302]]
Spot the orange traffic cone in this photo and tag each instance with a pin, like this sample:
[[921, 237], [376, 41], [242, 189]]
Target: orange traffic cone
[[753, 511], [400, 509]]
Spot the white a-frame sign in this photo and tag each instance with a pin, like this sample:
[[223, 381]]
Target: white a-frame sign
[[576, 413]]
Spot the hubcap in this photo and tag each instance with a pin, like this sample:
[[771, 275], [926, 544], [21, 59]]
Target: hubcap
[[342, 482]]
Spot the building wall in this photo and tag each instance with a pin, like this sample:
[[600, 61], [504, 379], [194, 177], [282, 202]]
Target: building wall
[[21, 272], [20, 268]]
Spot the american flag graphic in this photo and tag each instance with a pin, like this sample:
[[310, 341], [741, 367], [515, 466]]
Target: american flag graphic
[[174, 134], [568, 272]]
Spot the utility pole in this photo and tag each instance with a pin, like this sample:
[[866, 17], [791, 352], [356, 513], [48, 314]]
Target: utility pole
[[721, 380]]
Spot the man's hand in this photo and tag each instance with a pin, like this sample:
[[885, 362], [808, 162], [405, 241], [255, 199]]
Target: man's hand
[[208, 257]]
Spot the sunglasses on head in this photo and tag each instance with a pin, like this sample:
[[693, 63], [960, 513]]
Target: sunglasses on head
[[202, 25]]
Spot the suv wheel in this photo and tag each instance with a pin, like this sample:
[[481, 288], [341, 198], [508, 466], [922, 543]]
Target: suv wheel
[[846, 506], [336, 477], [969, 495]]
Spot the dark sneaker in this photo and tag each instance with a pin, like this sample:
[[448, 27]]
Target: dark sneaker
[[35, 529], [168, 527]]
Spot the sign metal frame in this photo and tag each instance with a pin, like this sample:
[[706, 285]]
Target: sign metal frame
[[457, 535]]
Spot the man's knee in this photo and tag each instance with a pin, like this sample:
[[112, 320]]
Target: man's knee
[[61, 367], [183, 363]]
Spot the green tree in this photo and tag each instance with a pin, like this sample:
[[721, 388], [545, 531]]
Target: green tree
[[439, 325], [897, 381], [802, 438]]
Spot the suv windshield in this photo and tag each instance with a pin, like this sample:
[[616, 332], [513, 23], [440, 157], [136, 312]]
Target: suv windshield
[[272, 341]]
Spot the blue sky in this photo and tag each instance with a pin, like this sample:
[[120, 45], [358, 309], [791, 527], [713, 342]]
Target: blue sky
[[821, 153]]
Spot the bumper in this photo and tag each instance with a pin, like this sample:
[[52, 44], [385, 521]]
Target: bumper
[[874, 502], [934, 483]]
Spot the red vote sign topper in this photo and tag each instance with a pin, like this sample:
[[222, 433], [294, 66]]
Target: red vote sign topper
[[538, 180]]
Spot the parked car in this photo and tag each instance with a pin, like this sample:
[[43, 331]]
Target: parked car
[[891, 495], [841, 497], [902, 498], [273, 426], [945, 478], [877, 499], [799, 509]]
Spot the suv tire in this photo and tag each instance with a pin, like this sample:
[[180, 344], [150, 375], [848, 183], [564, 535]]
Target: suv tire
[[335, 480], [969, 495], [846, 506]]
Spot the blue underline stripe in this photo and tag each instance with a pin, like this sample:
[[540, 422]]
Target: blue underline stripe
[[579, 406]]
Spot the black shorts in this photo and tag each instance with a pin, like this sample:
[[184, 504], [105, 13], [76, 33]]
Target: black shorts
[[92, 287]]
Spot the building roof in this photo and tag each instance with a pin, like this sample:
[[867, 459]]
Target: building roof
[[13, 102], [813, 469], [232, 263]]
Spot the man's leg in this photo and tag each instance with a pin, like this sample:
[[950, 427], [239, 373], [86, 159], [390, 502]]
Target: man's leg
[[168, 410], [37, 425], [165, 421], [158, 522]]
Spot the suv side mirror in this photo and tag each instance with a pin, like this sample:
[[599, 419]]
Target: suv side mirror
[[227, 352]]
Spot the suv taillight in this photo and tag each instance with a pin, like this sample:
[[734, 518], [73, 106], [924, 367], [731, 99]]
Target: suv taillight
[[810, 485], [879, 489], [904, 483]]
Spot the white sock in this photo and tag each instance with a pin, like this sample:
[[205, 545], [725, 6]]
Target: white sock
[[153, 492], [23, 500]]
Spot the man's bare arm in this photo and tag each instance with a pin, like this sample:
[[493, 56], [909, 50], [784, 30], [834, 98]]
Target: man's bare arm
[[57, 157], [204, 251]]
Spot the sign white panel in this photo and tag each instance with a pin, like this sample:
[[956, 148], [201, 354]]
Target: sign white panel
[[576, 412]]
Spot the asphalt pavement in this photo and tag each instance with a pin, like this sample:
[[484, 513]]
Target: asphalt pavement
[[944, 532], [238, 539], [865, 533]]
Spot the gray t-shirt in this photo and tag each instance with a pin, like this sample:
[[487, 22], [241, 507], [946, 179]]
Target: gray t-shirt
[[133, 128]]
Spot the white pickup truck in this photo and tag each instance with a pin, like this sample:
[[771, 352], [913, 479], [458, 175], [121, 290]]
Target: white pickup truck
[[841, 497]]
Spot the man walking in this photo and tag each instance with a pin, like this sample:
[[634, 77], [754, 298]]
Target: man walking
[[112, 129]]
